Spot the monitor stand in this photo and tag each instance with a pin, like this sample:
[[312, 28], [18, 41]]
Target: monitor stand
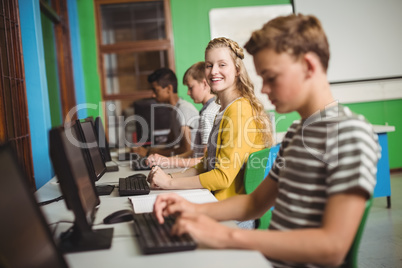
[[104, 189], [76, 241]]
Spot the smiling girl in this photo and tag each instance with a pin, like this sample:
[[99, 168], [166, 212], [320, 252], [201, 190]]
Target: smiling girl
[[240, 128]]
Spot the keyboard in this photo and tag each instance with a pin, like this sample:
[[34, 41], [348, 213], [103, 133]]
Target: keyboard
[[139, 162], [133, 185], [156, 238]]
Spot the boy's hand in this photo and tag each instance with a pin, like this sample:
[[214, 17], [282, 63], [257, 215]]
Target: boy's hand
[[167, 204], [203, 229]]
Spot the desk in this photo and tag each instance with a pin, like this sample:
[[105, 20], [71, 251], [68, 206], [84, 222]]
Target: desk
[[383, 186], [125, 251]]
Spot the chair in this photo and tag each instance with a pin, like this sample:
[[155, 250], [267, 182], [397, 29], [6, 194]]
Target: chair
[[257, 168], [352, 256]]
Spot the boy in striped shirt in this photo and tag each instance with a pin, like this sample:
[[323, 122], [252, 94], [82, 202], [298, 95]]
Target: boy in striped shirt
[[325, 170]]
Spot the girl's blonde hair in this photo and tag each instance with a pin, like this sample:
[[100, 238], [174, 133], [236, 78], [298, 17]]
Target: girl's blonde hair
[[245, 86]]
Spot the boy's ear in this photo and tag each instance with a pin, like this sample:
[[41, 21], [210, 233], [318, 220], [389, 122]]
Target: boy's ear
[[205, 83], [170, 88], [311, 64]]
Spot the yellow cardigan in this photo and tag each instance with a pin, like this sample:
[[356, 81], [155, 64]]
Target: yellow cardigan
[[237, 139]]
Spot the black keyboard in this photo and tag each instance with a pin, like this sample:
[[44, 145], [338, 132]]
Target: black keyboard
[[156, 238], [133, 185]]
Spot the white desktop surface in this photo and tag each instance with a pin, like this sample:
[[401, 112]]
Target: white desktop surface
[[125, 251]]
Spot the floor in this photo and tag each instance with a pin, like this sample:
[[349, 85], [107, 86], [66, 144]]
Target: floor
[[381, 245]]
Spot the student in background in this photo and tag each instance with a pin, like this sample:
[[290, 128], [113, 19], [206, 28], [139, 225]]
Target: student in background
[[200, 92], [241, 127], [184, 115], [325, 170]]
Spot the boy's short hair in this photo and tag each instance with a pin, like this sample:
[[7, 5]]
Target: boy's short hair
[[196, 71], [294, 34], [164, 77]]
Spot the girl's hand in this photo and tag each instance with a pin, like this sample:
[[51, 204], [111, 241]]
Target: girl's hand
[[159, 179], [167, 204], [155, 160], [203, 229]]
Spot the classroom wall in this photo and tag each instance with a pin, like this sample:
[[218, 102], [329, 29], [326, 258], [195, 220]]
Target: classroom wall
[[87, 34], [37, 89], [190, 21], [51, 71], [191, 35], [190, 43], [382, 113]]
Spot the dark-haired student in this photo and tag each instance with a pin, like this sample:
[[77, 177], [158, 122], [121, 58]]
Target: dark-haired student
[[200, 92], [325, 170], [184, 116]]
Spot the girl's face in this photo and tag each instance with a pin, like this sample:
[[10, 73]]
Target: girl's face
[[220, 70]]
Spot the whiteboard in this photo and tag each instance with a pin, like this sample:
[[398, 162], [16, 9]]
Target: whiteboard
[[237, 23], [365, 37]]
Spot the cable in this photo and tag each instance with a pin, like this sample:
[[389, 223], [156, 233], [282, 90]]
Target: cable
[[57, 225], [51, 201], [50, 224]]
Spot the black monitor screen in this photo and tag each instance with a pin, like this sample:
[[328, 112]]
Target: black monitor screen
[[102, 140], [72, 172], [86, 193], [93, 148], [25, 238], [79, 192]]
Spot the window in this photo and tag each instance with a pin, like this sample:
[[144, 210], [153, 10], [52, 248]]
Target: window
[[14, 125], [134, 39]]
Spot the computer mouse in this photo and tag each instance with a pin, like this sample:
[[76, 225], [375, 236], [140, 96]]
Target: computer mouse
[[138, 176], [119, 216]]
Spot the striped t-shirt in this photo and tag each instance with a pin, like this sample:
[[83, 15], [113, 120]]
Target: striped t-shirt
[[328, 153], [206, 121]]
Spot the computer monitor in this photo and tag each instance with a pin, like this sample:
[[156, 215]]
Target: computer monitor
[[157, 118], [25, 240], [88, 137], [79, 193], [102, 140]]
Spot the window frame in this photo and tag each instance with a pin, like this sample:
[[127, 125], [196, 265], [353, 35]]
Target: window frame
[[133, 46]]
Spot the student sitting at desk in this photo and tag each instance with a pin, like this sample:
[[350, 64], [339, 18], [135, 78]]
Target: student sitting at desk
[[200, 92], [325, 170], [183, 119], [240, 128]]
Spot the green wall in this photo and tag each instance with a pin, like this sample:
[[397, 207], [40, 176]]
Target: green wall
[[86, 17], [382, 113], [51, 71], [191, 35]]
